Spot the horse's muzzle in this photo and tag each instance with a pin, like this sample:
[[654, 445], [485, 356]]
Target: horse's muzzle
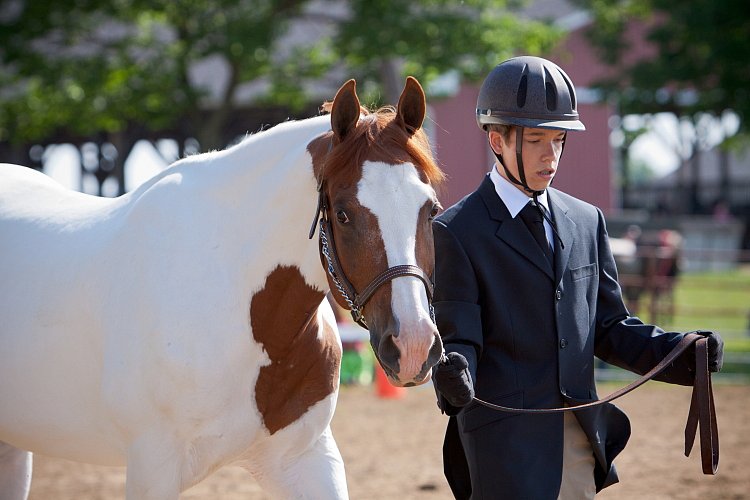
[[407, 361]]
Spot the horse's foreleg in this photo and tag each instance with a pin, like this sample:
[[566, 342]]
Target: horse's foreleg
[[15, 473], [317, 473], [154, 467]]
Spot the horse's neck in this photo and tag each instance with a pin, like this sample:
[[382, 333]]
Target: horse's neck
[[267, 183]]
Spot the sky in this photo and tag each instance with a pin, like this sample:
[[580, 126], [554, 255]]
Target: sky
[[651, 150], [669, 141], [61, 163]]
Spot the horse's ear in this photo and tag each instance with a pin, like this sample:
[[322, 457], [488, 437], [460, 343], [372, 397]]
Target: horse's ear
[[345, 112], [412, 105]]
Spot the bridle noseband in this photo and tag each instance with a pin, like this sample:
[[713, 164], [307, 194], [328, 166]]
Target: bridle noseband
[[356, 301]]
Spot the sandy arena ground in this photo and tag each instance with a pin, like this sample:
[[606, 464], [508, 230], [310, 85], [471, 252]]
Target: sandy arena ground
[[391, 448]]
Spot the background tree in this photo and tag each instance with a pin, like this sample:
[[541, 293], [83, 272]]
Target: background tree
[[699, 70], [384, 39], [701, 62], [85, 66]]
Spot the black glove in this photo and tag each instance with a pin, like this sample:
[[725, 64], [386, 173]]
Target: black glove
[[452, 379], [715, 351]]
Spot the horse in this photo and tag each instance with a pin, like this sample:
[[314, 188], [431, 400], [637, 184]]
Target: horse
[[183, 326]]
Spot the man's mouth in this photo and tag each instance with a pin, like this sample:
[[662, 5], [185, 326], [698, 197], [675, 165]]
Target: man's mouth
[[548, 172]]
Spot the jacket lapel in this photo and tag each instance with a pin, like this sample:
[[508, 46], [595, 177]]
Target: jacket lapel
[[565, 230], [513, 232]]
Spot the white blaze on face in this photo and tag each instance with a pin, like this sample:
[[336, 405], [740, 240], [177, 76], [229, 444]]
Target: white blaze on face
[[395, 194]]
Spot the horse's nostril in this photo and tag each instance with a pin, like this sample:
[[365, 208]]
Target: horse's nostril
[[437, 347], [388, 352]]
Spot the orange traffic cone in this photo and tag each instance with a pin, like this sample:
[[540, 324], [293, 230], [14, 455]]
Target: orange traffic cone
[[384, 388]]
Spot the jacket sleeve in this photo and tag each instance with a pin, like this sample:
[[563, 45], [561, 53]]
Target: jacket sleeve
[[624, 340], [456, 302]]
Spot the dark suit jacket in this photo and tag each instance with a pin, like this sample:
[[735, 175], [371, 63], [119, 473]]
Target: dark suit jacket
[[530, 334]]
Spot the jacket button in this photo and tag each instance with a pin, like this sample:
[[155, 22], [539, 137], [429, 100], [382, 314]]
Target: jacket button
[[558, 294], [563, 343]]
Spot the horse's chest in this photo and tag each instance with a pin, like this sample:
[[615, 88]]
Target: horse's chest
[[304, 350]]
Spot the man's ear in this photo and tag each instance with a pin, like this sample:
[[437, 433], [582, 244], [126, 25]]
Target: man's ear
[[496, 141]]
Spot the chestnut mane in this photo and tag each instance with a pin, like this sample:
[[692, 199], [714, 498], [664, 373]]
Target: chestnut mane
[[378, 136]]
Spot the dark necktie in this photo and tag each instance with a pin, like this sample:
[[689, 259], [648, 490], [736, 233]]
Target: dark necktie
[[534, 221]]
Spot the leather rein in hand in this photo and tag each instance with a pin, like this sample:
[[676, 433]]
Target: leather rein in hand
[[701, 411]]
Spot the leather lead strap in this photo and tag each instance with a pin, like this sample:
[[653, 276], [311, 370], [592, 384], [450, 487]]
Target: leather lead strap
[[702, 410]]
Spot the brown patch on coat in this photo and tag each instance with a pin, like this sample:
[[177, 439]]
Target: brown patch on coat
[[305, 364]]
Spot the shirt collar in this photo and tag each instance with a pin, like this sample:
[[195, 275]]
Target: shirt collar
[[513, 197]]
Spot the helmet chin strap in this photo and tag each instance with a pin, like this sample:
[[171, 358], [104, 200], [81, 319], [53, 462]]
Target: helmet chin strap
[[519, 163]]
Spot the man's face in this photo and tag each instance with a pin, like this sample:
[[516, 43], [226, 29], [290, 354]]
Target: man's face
[[541, 152]]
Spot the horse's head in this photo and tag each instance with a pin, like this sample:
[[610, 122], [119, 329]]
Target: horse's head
[[376, 175]]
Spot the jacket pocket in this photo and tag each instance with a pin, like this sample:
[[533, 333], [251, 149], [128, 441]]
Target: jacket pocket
[[477, 415], [582, 272]]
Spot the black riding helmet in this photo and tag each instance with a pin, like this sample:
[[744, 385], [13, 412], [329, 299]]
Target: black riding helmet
[[531, 92], [528, 91]]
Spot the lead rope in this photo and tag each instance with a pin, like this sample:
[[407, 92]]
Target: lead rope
[[702, 410]]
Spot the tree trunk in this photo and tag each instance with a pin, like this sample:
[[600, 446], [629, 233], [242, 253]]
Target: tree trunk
[[391, 79], [695, 206]]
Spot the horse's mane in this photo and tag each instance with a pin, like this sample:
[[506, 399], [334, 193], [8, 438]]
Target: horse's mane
[[377, 135]]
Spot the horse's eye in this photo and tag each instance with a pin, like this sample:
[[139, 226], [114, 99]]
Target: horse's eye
[[342, 217], [435, 210]]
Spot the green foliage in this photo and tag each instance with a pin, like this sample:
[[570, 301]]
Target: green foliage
[[640, 172], [432, 37], [714, 300], [701, 62], [717, 301], [84, 66]]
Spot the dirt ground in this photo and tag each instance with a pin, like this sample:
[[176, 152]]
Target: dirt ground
[[391, 448]]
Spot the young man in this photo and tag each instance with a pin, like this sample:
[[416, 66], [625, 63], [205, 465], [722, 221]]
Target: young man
[[526, 295]]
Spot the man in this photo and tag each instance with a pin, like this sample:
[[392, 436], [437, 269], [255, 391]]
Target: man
[[522, 316]]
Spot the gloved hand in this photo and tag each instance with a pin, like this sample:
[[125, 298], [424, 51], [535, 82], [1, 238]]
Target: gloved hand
[[452, 379], [715, 351]]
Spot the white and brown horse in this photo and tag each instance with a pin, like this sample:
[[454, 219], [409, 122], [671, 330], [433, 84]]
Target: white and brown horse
[[183, 326]]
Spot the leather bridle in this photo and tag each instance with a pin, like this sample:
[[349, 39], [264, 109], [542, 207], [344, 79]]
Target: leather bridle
[[356, 301], [701, 411]]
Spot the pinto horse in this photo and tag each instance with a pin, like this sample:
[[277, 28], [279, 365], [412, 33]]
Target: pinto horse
[[183, 326]]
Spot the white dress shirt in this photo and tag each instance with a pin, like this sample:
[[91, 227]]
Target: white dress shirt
[[515, 200]]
